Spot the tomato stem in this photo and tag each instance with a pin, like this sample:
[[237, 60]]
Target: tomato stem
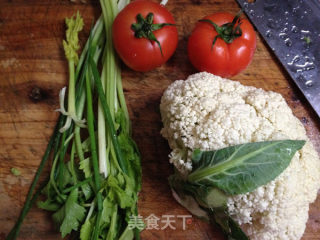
[[228, 31], [144, 28]]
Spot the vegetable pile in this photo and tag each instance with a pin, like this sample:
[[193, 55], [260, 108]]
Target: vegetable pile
[[95, 176], [256, 167]]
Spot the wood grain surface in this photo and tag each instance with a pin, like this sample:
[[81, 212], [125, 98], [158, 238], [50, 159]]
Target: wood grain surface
[[33, 70]]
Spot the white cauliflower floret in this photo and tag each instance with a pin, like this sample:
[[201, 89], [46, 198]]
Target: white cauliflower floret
[[210, 113]]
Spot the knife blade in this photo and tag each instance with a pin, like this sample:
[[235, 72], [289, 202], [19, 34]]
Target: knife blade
[[291, 29]]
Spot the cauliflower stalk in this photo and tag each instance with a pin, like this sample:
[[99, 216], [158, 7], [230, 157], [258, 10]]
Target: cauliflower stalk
[[209, 113]]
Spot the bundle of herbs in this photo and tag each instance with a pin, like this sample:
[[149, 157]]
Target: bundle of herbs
[[95, 176]]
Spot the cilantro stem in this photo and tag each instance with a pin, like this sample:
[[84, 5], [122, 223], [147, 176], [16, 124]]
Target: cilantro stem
[[77, 137], [122, 101], [60, 156], [79, 184], [62, 146], [73, 173], [71, 92], [52, 175], [90, 211], [136, 230], [112, 230]]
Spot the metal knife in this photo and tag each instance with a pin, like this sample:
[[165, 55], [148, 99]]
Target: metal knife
[[291, 28]]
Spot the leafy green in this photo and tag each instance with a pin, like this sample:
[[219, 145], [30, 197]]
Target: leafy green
[[221, 217], [48, 205], [71, 45], [15, 171], [202, 202], [86, 145], [108, 208], [130, 151], [229, 171], [206, 196], [186, 198], [122, 196], [70, 215], [64, 176], [128, 234], [86, 230], [243, 168], [87, 191], [85, 166], [112, 233]]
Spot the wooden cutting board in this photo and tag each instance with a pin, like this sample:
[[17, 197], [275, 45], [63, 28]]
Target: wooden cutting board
[[33, 70]]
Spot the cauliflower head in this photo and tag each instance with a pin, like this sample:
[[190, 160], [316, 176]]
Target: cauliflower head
[[210, 113]]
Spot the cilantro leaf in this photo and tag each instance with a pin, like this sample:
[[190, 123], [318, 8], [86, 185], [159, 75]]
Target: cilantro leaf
[[123, 197], [48, 205], [70, 214], [107, 209], [64, 176], [86, 230], [86, 190], [130, 151], [127, 234], [85, 166], [15, 171]]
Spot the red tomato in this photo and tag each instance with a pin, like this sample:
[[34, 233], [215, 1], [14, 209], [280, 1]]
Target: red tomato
[[222, 58], [142, 54]]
